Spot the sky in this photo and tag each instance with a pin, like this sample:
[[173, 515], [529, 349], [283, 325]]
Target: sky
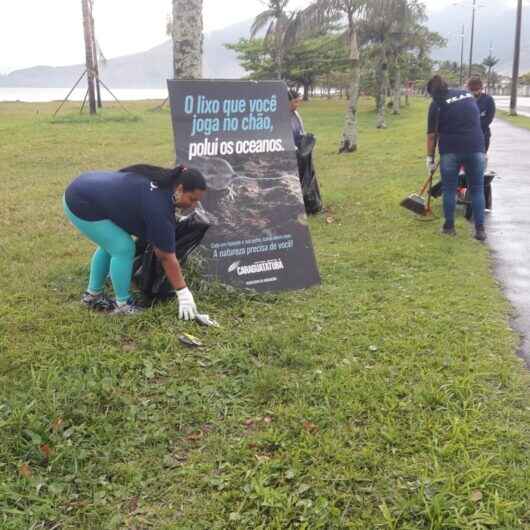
[[38, 32]]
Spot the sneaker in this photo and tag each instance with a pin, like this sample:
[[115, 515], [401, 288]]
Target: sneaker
[[129, 308], [448, 230], [97, 302], [480, 233]]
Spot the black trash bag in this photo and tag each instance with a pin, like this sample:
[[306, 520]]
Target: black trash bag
[[308, 178], [488, 196], [148, 273], [437, 191]]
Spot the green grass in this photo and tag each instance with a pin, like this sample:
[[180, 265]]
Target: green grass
[[391, 397], [519, 121]]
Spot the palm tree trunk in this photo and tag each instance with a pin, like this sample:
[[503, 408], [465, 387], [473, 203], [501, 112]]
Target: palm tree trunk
[[187, 39], [95, 56], [382, 86], [89, 49], [279, 55], [349, 134], [306, 91], [396, 108]]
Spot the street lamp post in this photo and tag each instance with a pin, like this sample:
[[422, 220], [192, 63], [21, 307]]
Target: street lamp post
[[472, 38], [462, 36], [516, 59]]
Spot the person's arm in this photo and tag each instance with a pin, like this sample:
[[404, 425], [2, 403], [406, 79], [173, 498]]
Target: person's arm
[[171, 266], [490, 114], [160, 232], [432, 130], [432, 137], [296, 128], [432, 140]]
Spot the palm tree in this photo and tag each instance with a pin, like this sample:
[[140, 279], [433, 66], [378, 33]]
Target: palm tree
[[277, 21], [490, 63], [319, 15], [187, 39], [389, 25]]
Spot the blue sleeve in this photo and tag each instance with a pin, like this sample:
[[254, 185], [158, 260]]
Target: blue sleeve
[[490, 111], [432, 121], [297, 137], [160, 223], [160, 233]]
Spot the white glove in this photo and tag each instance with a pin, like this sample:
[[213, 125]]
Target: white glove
[[431, 165], [187, 307]]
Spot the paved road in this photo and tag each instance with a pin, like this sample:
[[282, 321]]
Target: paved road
[[523, 104], [509, 223]]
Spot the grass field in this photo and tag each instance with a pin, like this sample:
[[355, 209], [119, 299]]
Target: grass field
[[519, 121], [390, 397]]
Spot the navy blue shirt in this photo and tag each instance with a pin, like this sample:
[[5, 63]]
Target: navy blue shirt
[[486, 106], [456, 118], [130, 201]]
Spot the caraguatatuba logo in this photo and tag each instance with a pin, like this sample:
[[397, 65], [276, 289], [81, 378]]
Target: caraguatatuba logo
[[256, 267]]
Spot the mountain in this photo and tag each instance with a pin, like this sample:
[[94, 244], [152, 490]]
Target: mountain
[[220, 63], [150, 69]]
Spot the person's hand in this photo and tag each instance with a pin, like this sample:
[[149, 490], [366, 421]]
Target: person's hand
[[431, 165], [187, 307]]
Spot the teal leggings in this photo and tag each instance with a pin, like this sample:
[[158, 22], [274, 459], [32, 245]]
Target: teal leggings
[[114, 255]]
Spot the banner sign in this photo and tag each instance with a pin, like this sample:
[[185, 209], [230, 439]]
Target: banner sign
[[238, 133]]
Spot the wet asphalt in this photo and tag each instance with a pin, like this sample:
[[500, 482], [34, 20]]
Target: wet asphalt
[[523, 104], [508, 224]]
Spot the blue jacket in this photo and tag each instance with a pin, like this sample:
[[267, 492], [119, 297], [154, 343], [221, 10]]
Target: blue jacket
[[456, 119], [486, 106]]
